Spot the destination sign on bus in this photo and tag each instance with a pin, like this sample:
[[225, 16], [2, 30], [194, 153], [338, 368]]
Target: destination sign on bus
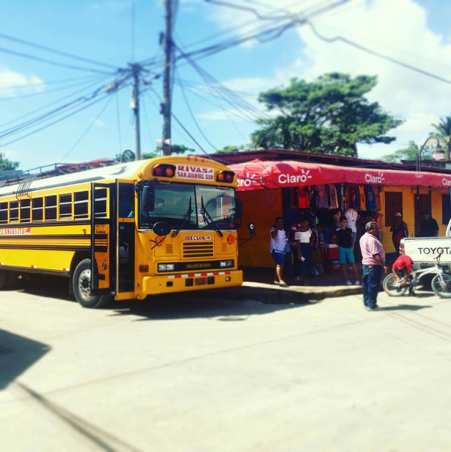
[[195, 172]]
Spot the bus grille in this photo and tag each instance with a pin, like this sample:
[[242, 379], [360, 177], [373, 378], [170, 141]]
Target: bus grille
[[169, 248], [195, 250]]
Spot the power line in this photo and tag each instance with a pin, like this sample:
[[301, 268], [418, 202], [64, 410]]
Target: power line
[[89, 128], [58, 120], [192, 114], [58, 52], [54, 63], [377, 54], [5, 99], [53, 82], [53, 103]]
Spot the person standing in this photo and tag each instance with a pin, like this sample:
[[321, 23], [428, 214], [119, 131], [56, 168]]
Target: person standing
[[297, 264], [344, 238], [304, 238], [399, 230], [278, 249], [429, 227], [373, 260]]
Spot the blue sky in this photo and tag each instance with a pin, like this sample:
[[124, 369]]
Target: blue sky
[[415, 32]]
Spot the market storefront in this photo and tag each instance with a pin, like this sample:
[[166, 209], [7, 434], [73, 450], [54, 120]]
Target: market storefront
[[317, 191]]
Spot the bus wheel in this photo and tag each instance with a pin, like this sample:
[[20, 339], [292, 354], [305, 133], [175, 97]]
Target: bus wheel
[[82, 287]]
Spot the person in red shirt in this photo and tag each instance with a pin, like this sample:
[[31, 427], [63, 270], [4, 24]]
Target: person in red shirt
[[402, 269]]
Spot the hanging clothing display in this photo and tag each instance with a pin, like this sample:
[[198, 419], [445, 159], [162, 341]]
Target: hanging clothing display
[[351, 216], [333, 197], [321, 197], [353, 197], [362, 198], [370, 199], [377, 197], [303, 198]]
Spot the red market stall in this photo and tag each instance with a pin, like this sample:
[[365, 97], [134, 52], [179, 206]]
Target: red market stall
[[258, 174]]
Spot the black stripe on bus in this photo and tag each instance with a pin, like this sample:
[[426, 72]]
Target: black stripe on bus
[[50, 247], [43, 224], [53, 237], [35, 270]]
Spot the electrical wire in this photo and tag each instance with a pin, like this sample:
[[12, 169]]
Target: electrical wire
[[54, 102], [57, 52], [54, 63], [215, 148], [119, 134], [377, 54], [53, 82], [59, 120], [89, 128]]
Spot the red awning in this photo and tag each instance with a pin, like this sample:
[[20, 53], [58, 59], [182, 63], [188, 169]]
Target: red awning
[[258, 174]]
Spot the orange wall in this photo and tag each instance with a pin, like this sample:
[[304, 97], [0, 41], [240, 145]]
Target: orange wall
[[260, 207]]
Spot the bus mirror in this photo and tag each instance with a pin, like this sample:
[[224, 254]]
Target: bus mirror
[[148, 198], [162, 228], [251, 229]]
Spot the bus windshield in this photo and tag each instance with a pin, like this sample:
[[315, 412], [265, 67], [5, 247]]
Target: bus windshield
[[211, 207]]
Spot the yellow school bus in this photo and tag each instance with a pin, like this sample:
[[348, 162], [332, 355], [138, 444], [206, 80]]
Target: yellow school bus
[[126, 231]]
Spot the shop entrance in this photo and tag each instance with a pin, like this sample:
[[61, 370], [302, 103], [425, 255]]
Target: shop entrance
[[422, 203]]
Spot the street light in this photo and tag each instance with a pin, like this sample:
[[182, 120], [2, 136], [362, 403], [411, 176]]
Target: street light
[[437, 154]]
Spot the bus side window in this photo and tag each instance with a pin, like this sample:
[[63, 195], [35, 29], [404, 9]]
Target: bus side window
[[25, 213], [37, 209], [126, 201], [65, 202], [3, 212], [101, 203], [81, 205], [14, 212], [50, 208]]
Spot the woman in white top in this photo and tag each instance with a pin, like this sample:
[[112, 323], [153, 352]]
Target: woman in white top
[[303, 238], [278, 249]]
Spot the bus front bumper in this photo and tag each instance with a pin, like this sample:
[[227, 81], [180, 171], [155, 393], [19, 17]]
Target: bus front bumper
[[193, 281]]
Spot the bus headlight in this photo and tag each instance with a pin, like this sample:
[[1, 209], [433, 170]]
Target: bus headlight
[[166, 267], [226, 264]]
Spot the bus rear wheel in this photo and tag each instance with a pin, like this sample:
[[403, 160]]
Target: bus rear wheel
[[8, 280], [81, 284]]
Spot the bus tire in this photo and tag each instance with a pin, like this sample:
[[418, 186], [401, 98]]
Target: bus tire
[[81, 283]]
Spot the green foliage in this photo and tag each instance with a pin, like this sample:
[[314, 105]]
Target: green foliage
[[330, 115], [6, 164], [409, 153], [177, 149], [443, 129], [230, 148]]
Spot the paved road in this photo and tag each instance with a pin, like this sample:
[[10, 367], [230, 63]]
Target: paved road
[[183, 374]]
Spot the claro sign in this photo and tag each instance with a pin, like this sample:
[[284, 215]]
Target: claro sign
[[295, 178], [372, 179]]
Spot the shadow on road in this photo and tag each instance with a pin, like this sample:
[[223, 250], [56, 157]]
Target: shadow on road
[[95, 437], [17, 354], [180, 306], [404, 307], [46, 286]]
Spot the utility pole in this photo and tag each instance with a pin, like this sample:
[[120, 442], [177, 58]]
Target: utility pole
[[166, 107], [136, 68]]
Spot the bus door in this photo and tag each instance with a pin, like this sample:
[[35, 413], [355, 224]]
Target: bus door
[[125, 243], [103, 237]]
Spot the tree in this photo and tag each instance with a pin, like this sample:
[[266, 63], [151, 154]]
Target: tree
[[175, 148], [444, 134], [330, 115], [409, 153], [230, 148], [6, 164]]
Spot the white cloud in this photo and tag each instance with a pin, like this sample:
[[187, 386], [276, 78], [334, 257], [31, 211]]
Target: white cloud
[[13, 83], [98, 122], [397, 29]]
